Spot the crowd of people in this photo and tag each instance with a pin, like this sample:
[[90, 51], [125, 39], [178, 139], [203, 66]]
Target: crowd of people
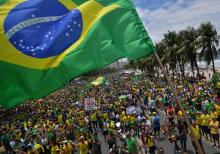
[[59, 123]]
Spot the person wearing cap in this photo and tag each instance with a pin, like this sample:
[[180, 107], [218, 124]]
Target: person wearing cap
[[214, 125]]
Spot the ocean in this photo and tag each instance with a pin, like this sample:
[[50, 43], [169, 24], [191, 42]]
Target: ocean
[[203, 64]]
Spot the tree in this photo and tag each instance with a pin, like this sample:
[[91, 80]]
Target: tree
[[189, 47], [172, 41], [209, 40], [161, 50]]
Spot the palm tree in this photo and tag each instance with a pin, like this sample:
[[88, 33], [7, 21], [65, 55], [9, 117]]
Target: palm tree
[[189, 46], [209, 40], [172, 44], [161, 51]]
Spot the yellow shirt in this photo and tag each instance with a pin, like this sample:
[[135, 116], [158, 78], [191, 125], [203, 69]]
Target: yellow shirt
[[125, 119], [196, 131], [206, 119], [29, 123], [132, 119], [82, 112], [214, 114], [111, 126], [54, 149], [214, 127], [83, 147], [37, 147], [68, 122], [198, 120], [67, 149], [105, 116], [94, 118], [60, 118], [25, 125], [150, 118], [217, 107], [149, 141]]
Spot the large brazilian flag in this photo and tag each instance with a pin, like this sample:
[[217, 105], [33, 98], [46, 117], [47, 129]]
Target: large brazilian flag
[[45, 43]]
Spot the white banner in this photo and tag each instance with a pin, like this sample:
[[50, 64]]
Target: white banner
[[90, 104]]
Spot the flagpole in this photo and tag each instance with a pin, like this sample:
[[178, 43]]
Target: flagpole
[[192, 134]]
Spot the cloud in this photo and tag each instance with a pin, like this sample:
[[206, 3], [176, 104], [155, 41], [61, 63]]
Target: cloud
[[179, 15]]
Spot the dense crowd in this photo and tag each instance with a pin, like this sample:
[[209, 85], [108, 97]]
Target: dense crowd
[[59, 123]]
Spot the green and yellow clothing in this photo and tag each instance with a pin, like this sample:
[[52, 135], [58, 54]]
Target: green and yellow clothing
[[214, 127]]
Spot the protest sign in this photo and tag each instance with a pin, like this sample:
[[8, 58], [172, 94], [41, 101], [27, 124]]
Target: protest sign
[[90, 104]]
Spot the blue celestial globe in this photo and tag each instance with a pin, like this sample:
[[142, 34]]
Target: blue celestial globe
[[43, 28]]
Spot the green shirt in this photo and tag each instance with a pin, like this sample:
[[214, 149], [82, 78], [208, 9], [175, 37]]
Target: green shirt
[[131, 143], [192, 113]]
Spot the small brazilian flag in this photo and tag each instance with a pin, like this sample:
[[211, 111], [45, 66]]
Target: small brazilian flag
[[45, 43]]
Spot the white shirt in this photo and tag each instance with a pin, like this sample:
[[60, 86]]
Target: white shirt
[[148, 123]]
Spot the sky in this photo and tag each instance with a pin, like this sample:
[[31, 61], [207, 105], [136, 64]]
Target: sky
[[159, 16]]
